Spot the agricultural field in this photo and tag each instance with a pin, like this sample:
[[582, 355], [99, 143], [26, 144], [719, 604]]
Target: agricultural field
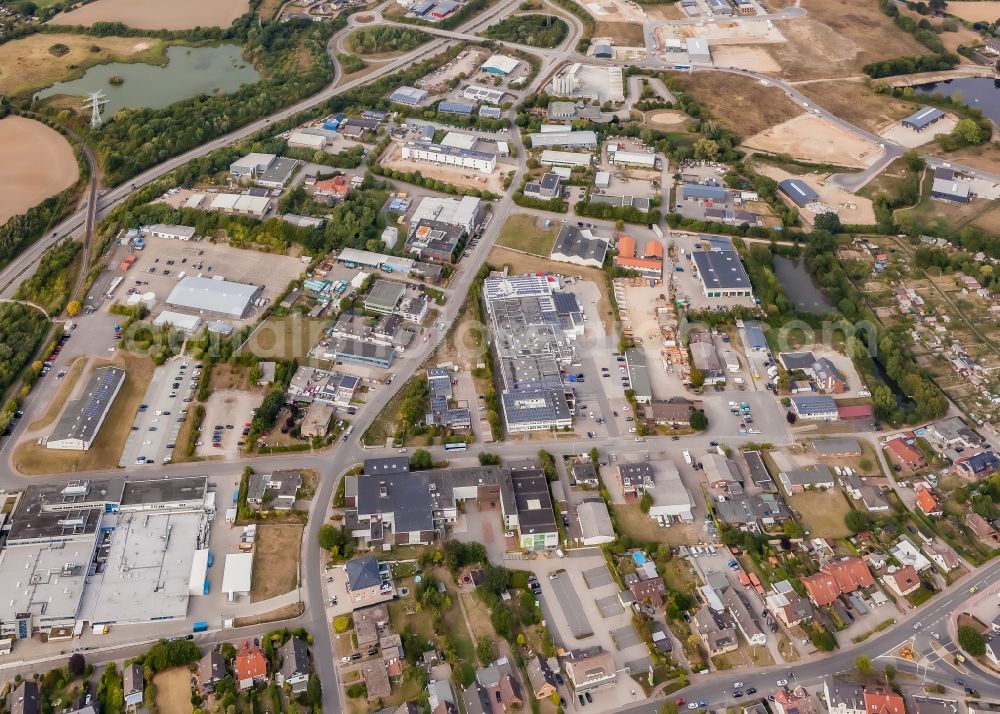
[[975, 10], [742, 107], [38, 162], [836, 39], [38, 61], [152, 15]]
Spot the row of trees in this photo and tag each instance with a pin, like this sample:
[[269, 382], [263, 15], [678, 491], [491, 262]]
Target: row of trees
[[534, 30], [49, 285], [376, 40]]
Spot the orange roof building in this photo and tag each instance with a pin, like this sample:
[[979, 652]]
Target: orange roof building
[[927, 503], [837, 578], [884, 702], [250, 667], [905, 456], [903, 581], [337, 187], [649, 264]]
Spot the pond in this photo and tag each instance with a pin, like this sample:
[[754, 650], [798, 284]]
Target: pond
[[189, 71], [800, 287], [980, 93]]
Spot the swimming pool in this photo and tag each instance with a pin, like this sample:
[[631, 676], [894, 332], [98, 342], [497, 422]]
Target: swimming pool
[[639, 558]]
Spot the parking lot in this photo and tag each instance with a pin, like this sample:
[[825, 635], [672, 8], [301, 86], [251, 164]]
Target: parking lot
[[163, 410], [158, 267], [227, 412]]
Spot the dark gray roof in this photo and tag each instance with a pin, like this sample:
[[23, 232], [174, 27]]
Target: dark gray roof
[[820, 404], [294, 658], [406, 496], [387, 465], [721, 269], [798, 191], [533, 501], [698, 190], [797, 360], [363, 573], [572, 242], [211, 668], [82, 418], [161, 490], [922, 118], [25, 699]]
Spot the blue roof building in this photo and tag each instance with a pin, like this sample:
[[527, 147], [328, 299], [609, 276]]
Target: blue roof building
[[799, 191], [456, 108]]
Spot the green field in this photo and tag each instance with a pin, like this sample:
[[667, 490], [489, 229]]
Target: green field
[[525, 234]]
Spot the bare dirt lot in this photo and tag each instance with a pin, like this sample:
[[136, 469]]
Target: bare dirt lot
[[173, 691], [745, 108], [275, 560], [614, 10], [858, 104], [666, 119], [811, 138], [26, 65], [973, 11], [837, 38], [621, 33], [38, 163], [467, 63], [153, 15], [851, 208], [910, 138], [755, 59], [449, 174]]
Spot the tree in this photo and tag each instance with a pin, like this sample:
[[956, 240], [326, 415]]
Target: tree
[[646, 502], [73, 308], [864, 665], [890, 672], [970, 640], [328, 537], [341, 623], [828, 221], [77, 665], [697, 378], [421, 460], [968, 131], [857, 521], [486, 650], [791, 417], [698, 420]]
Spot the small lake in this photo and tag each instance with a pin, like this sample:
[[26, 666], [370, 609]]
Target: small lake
[[800, 287], [189, 71], [980, 93]]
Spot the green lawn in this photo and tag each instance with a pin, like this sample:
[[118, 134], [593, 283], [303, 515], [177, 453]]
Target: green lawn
[[521, 232]]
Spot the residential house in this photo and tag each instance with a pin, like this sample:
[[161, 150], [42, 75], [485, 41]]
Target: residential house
[[368, 580], [274, 491], [675, 411], [496, 689], [369, 622], [882, 701], [837, 578], [903, 454], [440, 694], [927, 502], [249, 667], [376, 679], [903, 581], [649, 591], [982, 530], [211, 669], [132, 683], [590, 668], [294, 670], [979, 464], [26, 698], [798, 480], [634, 479], [942, 555], [933, 705], [541, 677], [717, 632], [787, 701], [828, 378]]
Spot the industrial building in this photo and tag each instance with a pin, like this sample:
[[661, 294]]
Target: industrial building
[[719, 7], [468, 213], [302, 140], [280, 171], [571, 139], [476, 93], [923, 118], [309, 384], [242, 204], [698, 51], [162, 230], [703, 192], [799, 191], [458, 140], [644, 159], [819, 407], [384, 296], [353, 257], [500, 64], [947, 187], [722, 274], [188, 324], [213, 297], [251, 166], [568, 159], [533, 516], [579, 246], [98, 551], [435, 241], [82, 418], [547, 187], [410, 96], [460, 108], [439, 154], [535, 409], [649, 263]]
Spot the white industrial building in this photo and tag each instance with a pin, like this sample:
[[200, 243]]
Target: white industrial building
[[199, 572], [697, 51], [671, 499], [210, 296], [500, 64], [645, 159], [466, 212], [237, 575], [552, 157], [82, 418], [489, 95], [252, 165], [458, 140], [163, 230], [301, 140], [595, 523], [179, 321], [242, 204], [436, 153], [570, 139]]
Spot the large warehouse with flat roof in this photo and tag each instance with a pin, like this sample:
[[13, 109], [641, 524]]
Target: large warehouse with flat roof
[[799, 191], [211, 296], [82, 418], [722, 274]]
